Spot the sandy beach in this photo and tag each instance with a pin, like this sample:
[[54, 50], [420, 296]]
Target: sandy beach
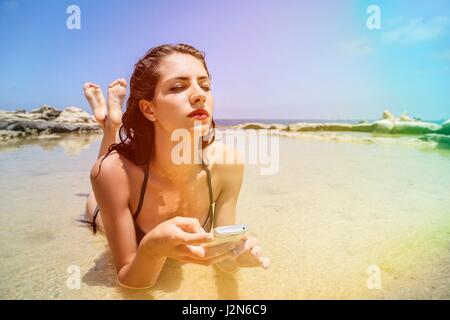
[[339, 204]]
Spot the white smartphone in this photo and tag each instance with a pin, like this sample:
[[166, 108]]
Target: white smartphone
[[232, 233]]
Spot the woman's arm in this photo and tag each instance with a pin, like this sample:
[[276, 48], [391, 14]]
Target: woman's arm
[[137, 266], [249, 252], [225, 207]]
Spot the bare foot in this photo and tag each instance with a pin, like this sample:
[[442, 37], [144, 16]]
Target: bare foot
[[94, 96], [117, 91]]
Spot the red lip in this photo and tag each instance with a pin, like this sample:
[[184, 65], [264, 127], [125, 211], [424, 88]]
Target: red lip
[[198, 112]]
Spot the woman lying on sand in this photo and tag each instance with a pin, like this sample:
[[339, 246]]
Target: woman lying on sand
[[149, 207]]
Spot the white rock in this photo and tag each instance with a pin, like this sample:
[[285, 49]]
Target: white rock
[[74, 115], [388, 115], [405, 117]]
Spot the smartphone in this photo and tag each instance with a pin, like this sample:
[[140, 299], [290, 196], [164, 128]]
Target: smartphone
[[232, 233]]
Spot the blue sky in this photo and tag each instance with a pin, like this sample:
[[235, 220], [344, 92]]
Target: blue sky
[[268, 59]]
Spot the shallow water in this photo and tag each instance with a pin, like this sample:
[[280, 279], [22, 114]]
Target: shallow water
[[334, 208]]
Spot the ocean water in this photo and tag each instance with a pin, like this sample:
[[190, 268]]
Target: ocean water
[[340, 206], [232, 122]]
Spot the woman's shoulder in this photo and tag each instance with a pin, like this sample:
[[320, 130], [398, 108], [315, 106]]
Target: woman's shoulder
[[228, 167], [225, 158], [223, 154], [115, 165]]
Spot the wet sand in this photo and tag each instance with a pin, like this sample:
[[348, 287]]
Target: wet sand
[[334, 208]]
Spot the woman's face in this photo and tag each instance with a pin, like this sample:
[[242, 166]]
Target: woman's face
[[183, 87]]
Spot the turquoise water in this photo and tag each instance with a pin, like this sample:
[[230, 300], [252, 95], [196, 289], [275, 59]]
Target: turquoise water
[[232, 122]]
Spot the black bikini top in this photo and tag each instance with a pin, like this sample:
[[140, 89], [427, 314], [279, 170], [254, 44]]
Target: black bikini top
[[140, 234]]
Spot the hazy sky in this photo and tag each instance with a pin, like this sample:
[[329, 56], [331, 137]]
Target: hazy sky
[[268, 59]]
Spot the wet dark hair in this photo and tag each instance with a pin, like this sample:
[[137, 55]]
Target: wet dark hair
[[137, 132]]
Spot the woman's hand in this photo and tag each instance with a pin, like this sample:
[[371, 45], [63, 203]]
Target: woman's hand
[[180, 238], [249, 255]]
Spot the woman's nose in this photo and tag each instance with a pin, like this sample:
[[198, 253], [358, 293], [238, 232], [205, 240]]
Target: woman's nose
[[198, 98]]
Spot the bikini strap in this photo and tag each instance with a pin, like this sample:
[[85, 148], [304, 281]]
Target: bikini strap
[[211, 198], [141, 197], [94, 225]]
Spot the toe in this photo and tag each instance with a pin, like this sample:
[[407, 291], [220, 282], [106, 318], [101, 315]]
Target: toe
[[87, 85], [114, 83], [98, 93]]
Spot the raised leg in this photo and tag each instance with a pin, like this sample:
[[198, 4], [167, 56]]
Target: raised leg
[[109, 117]]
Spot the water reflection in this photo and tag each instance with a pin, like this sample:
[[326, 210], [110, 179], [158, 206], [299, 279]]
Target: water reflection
[[72, 144]]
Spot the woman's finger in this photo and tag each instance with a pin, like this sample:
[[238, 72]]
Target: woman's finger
[[189, 224], [218, 250], [256, 251], [251, 242], [208, 262], [205, 253], [246, 245], [197, 252], [193, 238], [265, 262]]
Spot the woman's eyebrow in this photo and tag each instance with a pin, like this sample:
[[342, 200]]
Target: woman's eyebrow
[[187, 78]]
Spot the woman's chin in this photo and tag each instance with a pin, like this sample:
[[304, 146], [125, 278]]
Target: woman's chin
[[200, 128]]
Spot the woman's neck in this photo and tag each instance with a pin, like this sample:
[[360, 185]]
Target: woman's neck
[[171, 159]]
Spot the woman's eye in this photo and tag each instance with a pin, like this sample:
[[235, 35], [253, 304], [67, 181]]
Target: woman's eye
[[207, 88]]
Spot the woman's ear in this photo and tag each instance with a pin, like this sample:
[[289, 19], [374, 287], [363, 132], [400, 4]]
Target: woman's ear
[[147, 109]]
